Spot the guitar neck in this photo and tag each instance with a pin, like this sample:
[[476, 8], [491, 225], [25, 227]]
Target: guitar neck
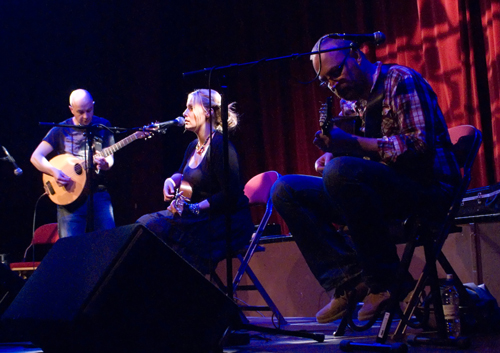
[[115, 147], [119, 145], [326, 119]]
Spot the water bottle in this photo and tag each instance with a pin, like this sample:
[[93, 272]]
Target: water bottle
[[450, 299]]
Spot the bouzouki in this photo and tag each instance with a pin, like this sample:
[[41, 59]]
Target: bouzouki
[[76, 169]]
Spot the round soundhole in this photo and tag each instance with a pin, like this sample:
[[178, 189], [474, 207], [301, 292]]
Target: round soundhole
[[78, 169]]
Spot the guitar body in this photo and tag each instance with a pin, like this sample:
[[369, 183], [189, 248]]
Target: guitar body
[[186, 189], [351, 125], [74, 168]]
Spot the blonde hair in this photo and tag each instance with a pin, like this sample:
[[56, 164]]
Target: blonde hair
[[200, 101]]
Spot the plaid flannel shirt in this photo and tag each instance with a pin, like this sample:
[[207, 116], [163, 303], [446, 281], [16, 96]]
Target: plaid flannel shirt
[[412, 125]]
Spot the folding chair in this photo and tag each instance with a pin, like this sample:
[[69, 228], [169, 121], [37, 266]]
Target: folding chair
[[258, 191], [45, 235], [466, 141]]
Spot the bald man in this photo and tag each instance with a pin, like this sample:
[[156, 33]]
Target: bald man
[[72, 218], [400, 163]]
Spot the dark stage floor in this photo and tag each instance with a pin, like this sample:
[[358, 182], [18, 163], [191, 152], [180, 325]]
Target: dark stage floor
[[266, 342], [277, 343]]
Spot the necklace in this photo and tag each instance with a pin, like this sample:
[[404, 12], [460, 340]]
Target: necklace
[[201, 148]]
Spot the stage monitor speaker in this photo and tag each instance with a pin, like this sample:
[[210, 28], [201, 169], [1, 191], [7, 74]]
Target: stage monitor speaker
[[120, 290], [10, 284]]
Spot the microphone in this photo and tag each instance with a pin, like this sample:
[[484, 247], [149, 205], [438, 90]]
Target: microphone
[[17, 171], [179, 121], [376, 38]]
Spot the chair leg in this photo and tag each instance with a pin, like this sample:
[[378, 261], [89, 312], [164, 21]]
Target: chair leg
[[343, 325], [265, 296], [347, 318], [396, 292], [431, 260], [429, 276], [256, 286], [412, 305]]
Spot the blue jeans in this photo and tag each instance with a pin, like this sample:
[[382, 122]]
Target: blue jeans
[[73, 220], [363, 195]]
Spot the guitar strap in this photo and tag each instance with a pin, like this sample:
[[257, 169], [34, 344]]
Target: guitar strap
[[373, 112], [97, 144]]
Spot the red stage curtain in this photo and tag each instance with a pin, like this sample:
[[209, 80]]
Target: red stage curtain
[[454, 44]]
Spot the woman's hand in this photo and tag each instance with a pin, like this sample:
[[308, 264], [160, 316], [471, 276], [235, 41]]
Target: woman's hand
[[168, 189], [174, 210]]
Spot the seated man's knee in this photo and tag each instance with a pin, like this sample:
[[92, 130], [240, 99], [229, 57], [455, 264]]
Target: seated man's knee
[[279, 191], [337, 172]]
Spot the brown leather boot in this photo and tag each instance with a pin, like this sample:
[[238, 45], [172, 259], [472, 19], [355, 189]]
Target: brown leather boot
[[371, 305], [338, 306]]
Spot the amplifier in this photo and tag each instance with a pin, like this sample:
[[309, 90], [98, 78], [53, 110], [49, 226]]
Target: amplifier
[[480, 205]]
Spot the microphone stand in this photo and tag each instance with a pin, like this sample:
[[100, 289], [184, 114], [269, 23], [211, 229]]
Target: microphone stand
[[265, 60], [224, 112], [227, 175]]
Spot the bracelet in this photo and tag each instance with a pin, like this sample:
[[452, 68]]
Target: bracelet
[[194, 208]]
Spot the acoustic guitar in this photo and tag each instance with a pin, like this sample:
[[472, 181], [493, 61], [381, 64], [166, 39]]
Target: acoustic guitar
[[325, 116], [76, 169], [182, 196], [350, 124]]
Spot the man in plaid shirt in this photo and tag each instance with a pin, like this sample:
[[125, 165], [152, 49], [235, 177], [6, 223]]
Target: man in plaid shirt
[[401, 163]]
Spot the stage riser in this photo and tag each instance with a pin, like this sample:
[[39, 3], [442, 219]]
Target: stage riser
[[287, 279]]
